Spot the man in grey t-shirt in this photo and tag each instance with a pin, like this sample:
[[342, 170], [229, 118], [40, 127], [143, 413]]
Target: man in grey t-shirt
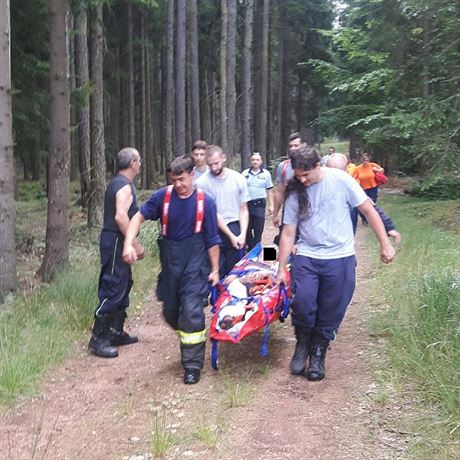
[[318, 202], [230, 192]]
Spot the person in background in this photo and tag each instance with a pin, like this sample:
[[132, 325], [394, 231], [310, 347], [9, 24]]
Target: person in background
[[330, 151], [229, 190], [340, 161], [283, 175], [364, 174], [260, 188], [189, 255], [199, 157], [115, 279], [318, 202]]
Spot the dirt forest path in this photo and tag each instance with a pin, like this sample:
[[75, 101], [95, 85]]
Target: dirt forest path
[[96, 409]]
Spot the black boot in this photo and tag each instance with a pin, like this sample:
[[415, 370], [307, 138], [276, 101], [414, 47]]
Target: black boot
[[316, 369], [192, 376], [99, 343], [118, 335], [302, 348]]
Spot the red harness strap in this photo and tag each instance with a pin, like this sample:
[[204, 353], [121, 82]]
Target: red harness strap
[[284, 169], [199, 216]]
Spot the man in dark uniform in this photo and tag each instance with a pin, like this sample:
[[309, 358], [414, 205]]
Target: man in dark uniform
[[189, 254], [115, 280]]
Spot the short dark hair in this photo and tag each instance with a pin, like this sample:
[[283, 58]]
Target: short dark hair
[[304, 158], [199, 144], [295, 135], [180, 165], [125, 156]]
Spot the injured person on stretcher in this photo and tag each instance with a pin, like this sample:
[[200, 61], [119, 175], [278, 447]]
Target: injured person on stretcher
[[245, 287]]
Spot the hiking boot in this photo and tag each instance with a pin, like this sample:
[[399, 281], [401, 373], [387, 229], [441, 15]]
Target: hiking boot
[[117, 335], [192, 376], [316, 369], [302, 349], [99, 344]]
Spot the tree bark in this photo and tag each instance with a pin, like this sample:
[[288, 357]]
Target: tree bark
[[262, 131], [8, 277], [180, 78], [223, 75], [144, 101], [57, 227], [247, 84], [98, 168], [194, 72], [279, 133], [169, 96], [130, 69], [231, 72], [82, 84], [149, 149]]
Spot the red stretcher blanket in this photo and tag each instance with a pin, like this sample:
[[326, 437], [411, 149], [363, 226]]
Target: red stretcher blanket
[[247, 300]]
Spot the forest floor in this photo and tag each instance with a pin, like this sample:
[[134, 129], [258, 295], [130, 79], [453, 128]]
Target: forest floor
[[252, 408]]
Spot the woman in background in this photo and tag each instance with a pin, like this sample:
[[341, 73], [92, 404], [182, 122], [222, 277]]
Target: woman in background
[[365, 175]]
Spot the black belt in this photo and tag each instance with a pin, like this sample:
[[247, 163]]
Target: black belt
[[259, 203]]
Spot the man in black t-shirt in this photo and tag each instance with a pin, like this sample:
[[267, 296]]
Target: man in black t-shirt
[[115, 279]]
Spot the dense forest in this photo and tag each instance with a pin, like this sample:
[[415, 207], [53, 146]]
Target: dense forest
[[80, 79]]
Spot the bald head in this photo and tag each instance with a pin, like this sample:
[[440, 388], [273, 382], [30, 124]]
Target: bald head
[[337, 160]]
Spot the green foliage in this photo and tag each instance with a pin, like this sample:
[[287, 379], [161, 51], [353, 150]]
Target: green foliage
[[393, 80], [437, 188], [421, 326]]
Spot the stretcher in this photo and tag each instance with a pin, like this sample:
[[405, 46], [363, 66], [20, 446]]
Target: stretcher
[[247, 300]]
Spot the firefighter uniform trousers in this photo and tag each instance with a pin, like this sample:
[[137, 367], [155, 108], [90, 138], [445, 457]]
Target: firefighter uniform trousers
[[182, 285]]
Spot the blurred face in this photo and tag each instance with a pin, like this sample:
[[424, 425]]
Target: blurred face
[[294, 144], [182, 183], [331, 150], [310, 177], [216, 163], [365, 160], [256, 161], [136, 163], [199, 157]]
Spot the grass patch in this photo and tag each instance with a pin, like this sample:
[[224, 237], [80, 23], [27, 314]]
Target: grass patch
[[38, 329], [238, 393], [421, 326]]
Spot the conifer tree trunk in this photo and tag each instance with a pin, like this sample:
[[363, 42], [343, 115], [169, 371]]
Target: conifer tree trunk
[[223, 75], [231, 70], [180, 78], [82, 84], [8, 278], [169, 93], [148, 152], [98, 168], [247, 84], [57, 226], [262, 129], [130, 69], [279, 118], [194, 72], [144, 101]]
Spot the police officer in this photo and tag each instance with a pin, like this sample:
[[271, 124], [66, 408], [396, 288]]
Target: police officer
[[260, 189], [115, 279], [189, 254]]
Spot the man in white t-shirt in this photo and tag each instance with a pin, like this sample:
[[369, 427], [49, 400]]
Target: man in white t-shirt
[[318, 203], [230, 192]]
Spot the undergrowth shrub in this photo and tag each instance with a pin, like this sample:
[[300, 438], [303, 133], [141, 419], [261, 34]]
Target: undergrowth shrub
[[437, 188]]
